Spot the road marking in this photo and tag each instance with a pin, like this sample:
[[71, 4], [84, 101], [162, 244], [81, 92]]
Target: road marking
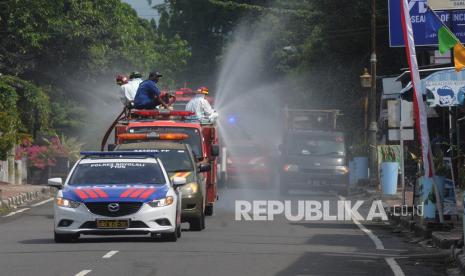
[[394, 266], [110, 254], [16, 212], [42, 202], [84, 272], [379, 245]]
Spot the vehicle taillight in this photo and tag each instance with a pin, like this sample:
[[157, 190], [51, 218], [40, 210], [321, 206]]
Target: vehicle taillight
[[173, 136], [132, 136]]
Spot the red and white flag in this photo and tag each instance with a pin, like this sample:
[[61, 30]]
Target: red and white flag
[[419, 108]]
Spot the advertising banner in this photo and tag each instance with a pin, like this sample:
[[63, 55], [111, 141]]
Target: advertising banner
[[444, 93]]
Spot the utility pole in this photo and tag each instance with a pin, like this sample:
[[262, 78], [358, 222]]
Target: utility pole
[[373, 98]]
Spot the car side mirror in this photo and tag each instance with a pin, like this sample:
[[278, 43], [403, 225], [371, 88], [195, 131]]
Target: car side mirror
[[55, 182], [111, 147], [215, 150], [206, 167], [179, 181]]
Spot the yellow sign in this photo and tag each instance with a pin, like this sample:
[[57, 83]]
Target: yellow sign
[[446, 4], [181, 174]]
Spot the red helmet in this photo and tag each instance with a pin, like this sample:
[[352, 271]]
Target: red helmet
[[121, 79], [202, 90]]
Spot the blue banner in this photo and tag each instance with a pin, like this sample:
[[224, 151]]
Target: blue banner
[[454, 19]]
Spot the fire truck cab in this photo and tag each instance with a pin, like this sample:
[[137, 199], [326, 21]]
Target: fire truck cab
[[173, 125]]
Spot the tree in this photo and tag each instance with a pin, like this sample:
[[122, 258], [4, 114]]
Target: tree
[[74, 48]]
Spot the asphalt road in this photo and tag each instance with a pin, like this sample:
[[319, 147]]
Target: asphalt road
[[225, 247]]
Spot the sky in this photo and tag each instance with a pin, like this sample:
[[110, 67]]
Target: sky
[[143, 8]]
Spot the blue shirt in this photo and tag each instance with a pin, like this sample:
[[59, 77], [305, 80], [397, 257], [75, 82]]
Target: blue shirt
[[145, 96]]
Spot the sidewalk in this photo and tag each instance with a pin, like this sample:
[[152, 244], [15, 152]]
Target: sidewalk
[[12, 196], [443, 236]]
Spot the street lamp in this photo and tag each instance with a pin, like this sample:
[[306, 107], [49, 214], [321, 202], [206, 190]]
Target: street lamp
[[365, 79], [373, 129], [365, 82]]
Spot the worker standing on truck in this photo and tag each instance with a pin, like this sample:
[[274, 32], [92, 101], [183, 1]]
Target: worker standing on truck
[[201, 106], [121, 80], [129, 90], [148, 94]]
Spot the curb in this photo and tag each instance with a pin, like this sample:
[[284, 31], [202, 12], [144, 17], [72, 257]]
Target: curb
[[13, 202]]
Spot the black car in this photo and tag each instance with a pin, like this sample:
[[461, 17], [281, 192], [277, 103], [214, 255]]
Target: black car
[[313, 159]]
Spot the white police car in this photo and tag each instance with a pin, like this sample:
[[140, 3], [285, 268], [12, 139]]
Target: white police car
[[117, 193]]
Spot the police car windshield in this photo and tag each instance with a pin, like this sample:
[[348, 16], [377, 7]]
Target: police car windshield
[[117, 173]]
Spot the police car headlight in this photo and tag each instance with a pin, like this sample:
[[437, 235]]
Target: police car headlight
[[66, 203], [190, 188], [161, 202]]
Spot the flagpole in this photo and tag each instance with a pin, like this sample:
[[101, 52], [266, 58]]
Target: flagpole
[[418, 104]]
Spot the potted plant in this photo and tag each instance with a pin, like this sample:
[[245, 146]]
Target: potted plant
[[427, 192], [360, 162], [441, 171], [389, 169]]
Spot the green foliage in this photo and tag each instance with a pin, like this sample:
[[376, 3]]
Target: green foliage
[[74, 48], [321, 47], [32, 103], [25, 110], [389, 153]]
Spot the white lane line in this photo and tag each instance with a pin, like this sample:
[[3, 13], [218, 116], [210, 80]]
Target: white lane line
[[379, 245], [16, 212], [110, 254], [42, 202], [394, 266], [84, 272]]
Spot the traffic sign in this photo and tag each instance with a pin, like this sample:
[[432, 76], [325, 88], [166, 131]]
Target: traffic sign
[[454, 19]]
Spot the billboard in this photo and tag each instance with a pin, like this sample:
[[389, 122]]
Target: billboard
[[454, 19], [444, 93]]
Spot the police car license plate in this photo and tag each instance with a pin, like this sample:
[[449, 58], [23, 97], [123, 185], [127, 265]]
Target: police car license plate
[[113, 224]]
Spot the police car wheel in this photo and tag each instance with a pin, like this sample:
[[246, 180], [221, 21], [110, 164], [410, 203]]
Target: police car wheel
[[64, 238], [178, 232]]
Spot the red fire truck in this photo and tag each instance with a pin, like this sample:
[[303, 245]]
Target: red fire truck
[[169, 125]]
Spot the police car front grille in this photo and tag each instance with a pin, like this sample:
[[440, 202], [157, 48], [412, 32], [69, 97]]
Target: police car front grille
[[125, 208]]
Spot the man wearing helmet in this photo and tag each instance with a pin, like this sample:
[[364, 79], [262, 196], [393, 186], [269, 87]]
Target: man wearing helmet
[[201, 106], [148, 94], [129, 90]]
